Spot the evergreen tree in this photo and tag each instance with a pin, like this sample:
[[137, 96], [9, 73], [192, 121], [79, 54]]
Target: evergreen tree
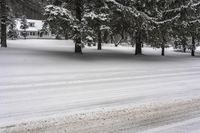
[[59, 19], [64, 18], [144, 16], [3, 23], [79, 15], [187, 26], [96, 14], [193, 24], [12, 33], [24, 25], [141, 16]]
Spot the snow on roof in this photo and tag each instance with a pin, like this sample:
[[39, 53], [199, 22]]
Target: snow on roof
[[38, 24]]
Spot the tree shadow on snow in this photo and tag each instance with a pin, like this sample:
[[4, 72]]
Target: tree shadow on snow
[[107, 54]]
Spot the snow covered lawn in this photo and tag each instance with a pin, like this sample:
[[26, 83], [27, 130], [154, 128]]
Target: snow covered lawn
[[44, 79]]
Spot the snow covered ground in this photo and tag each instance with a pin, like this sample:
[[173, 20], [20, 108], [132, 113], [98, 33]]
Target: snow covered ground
[[45, 87]]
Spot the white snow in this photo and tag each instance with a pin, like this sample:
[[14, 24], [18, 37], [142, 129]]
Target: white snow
[[44, 78], [191, 126]]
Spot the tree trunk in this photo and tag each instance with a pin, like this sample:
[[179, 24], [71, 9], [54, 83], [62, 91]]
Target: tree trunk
[[138, 49], [193, 46], [25, 34], [66, 35], [3, 24], [105, 37], [111, 39], [163, 50], [99, 39], [78, 46], [184, 49], [184, 43]]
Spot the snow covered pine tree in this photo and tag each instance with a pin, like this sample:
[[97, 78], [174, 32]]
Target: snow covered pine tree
[[149, 22], [147, 16], [60, 15], [188, 24], [97, 17]]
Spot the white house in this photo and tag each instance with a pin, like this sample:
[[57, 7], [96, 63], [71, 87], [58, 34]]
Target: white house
[[34, 29]]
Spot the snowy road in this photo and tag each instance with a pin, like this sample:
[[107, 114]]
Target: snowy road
[[44, 79], [192, 126]]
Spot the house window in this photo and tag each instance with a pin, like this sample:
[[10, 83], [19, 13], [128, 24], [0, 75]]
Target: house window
[[32, 33], [31, 24]]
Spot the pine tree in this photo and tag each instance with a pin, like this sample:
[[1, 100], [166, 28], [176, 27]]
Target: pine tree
[[59, 19], [3, 23], [12, 33], [67, 17], [193, 24], [188, 24], [79, 15], [24, 25], [144, 16], [141, 16], [97, 17]]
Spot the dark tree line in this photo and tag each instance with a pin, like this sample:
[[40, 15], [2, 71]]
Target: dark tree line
[[148, 22], [3, 23]]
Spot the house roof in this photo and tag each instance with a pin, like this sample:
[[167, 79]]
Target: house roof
[[38, 24]]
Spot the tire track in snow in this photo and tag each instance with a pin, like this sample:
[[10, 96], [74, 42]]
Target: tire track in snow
[[94, 71], [56, 91], [83, 81], [95, 74]]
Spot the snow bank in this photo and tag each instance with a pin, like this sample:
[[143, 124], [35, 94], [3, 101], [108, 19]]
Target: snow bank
[[126, 119]]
